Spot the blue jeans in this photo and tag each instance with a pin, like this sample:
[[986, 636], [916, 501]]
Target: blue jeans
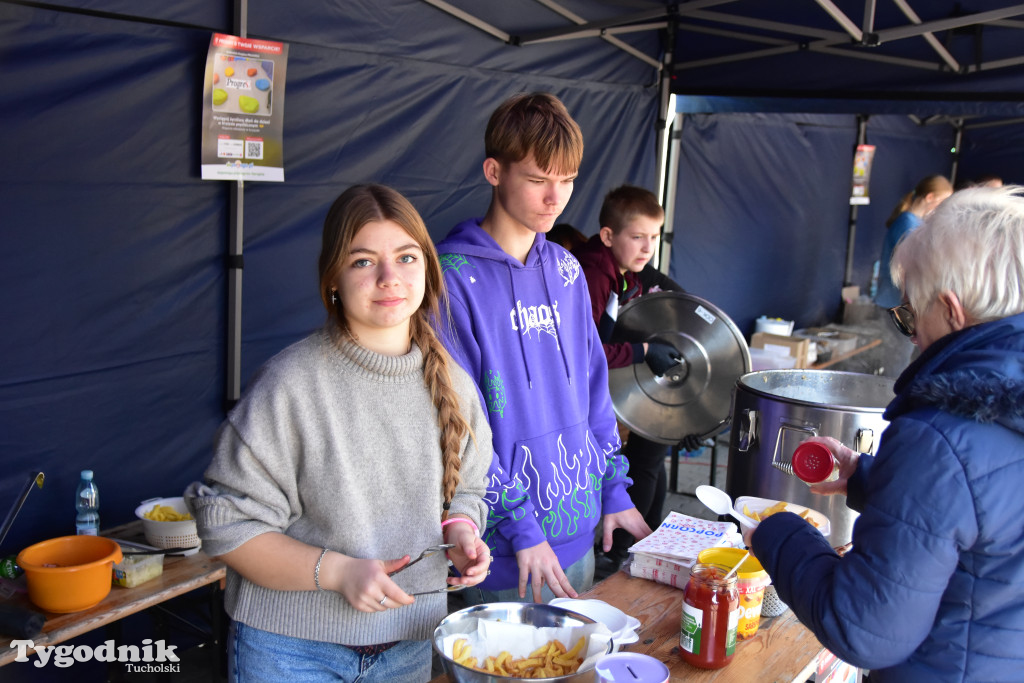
[[255, 656], [580, 575]]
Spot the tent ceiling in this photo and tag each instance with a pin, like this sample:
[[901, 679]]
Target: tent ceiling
[[938, 51]]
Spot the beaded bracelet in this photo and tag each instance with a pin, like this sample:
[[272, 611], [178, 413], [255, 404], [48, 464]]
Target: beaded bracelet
[[316, 572], [470, 522]]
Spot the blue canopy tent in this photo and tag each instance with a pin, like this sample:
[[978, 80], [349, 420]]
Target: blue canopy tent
[[114, 262], [114, 257]]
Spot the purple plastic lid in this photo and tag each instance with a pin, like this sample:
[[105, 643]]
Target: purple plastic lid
[[631, 667], [813, 462]]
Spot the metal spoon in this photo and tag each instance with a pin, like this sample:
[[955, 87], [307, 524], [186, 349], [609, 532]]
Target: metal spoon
[[719, 502]]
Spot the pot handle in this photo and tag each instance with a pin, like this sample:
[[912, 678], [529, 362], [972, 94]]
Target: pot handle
[[787, 467], [749, 435], [864, 442]]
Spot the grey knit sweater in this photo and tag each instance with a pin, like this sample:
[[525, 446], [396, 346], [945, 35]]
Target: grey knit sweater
[[339, 447]]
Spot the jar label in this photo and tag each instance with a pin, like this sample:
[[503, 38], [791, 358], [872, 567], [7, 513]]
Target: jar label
[[730, 636], [690, 628]]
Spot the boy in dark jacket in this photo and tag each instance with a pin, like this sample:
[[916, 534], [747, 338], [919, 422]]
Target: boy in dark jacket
[[612, 261]]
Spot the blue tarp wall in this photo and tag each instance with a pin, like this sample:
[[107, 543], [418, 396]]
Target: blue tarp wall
[[762, 206], [112, 264], [113, 260]]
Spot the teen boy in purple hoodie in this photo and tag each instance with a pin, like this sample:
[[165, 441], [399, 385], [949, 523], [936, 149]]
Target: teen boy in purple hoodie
[[523, 330]]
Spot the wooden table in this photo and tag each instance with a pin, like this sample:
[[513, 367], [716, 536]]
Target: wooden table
[[782, 651], [180, 575]]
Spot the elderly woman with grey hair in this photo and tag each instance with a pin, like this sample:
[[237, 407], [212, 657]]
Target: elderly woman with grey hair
[[933, 588]]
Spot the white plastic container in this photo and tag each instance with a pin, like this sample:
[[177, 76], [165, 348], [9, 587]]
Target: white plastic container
[[622, 626], [134, 570], [169, 534], [774, 326]]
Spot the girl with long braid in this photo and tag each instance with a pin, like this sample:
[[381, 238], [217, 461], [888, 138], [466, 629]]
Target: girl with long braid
[[353, 450]]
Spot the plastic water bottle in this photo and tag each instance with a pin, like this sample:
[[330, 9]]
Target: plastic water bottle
[[87, 502]]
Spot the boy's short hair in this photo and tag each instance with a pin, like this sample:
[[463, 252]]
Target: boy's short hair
[[625, 203], [538, 124]]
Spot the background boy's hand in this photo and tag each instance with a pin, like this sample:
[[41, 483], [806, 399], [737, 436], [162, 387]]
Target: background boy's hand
[[660, 357], [695, 442], [631, 520]]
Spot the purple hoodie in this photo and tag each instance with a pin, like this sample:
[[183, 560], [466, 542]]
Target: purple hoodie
[[525, 333]]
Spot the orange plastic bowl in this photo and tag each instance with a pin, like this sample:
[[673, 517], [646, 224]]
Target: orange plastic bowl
[[80, 577]]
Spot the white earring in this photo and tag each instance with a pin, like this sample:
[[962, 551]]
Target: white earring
[[334, 296]]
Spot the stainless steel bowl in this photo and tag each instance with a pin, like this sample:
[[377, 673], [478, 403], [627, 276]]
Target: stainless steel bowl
[[533, 613]]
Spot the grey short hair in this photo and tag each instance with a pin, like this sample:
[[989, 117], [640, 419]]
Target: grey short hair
[[972, 245]]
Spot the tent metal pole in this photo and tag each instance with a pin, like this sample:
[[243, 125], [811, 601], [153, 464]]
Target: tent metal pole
[[957, 140], [236, 203], [666, 114], [851, 234], [664, 108], [236, 222], [669, 202]]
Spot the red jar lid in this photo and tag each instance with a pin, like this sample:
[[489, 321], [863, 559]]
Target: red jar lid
[[813, 462]]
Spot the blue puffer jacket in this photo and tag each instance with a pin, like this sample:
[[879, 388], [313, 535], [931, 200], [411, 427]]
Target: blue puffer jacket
[[933, 589]]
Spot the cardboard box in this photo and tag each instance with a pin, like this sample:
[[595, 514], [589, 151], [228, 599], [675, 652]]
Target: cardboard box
[[783, 346]]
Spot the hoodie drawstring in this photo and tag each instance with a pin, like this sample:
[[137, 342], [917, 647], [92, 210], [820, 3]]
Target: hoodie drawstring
[[561, 346], [515, 305]]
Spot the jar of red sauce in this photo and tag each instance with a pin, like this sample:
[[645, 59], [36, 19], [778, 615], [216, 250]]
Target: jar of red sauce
[[711, 613]]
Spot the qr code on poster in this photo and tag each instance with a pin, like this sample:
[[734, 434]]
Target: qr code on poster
[[253, 149]]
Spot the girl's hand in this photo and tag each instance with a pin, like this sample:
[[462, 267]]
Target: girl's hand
[[365, 582], [470, 556]]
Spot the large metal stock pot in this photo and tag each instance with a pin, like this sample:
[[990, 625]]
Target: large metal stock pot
[[775, 410]]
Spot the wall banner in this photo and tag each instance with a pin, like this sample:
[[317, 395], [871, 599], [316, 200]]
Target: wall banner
[[862, 174], [243, 109]]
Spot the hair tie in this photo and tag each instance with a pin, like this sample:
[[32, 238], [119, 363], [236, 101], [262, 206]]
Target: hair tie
[[447, 505]]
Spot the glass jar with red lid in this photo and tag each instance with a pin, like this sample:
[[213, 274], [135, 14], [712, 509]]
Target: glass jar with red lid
[[711, 613]]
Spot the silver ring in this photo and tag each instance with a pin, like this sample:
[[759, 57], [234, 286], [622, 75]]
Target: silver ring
[[382, 600]]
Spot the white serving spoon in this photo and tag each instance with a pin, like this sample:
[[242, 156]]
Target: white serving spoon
[[719, 502]]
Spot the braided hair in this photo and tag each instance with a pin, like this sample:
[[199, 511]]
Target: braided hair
[[354, 208]]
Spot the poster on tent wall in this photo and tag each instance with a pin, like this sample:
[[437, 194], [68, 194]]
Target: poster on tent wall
[[243, 109], [862, 174]]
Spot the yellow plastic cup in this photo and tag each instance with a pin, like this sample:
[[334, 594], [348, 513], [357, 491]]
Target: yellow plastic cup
[[752, 580]]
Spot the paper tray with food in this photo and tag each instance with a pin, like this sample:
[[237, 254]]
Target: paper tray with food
[[758, 508], [523, 650]]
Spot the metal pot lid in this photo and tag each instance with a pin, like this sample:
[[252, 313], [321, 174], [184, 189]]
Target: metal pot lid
[[694, 397]]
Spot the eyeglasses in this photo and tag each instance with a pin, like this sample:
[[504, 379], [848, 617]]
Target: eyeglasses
[[903, 318]]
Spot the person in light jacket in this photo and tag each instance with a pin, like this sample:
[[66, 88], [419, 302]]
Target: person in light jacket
[[933, 588]]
